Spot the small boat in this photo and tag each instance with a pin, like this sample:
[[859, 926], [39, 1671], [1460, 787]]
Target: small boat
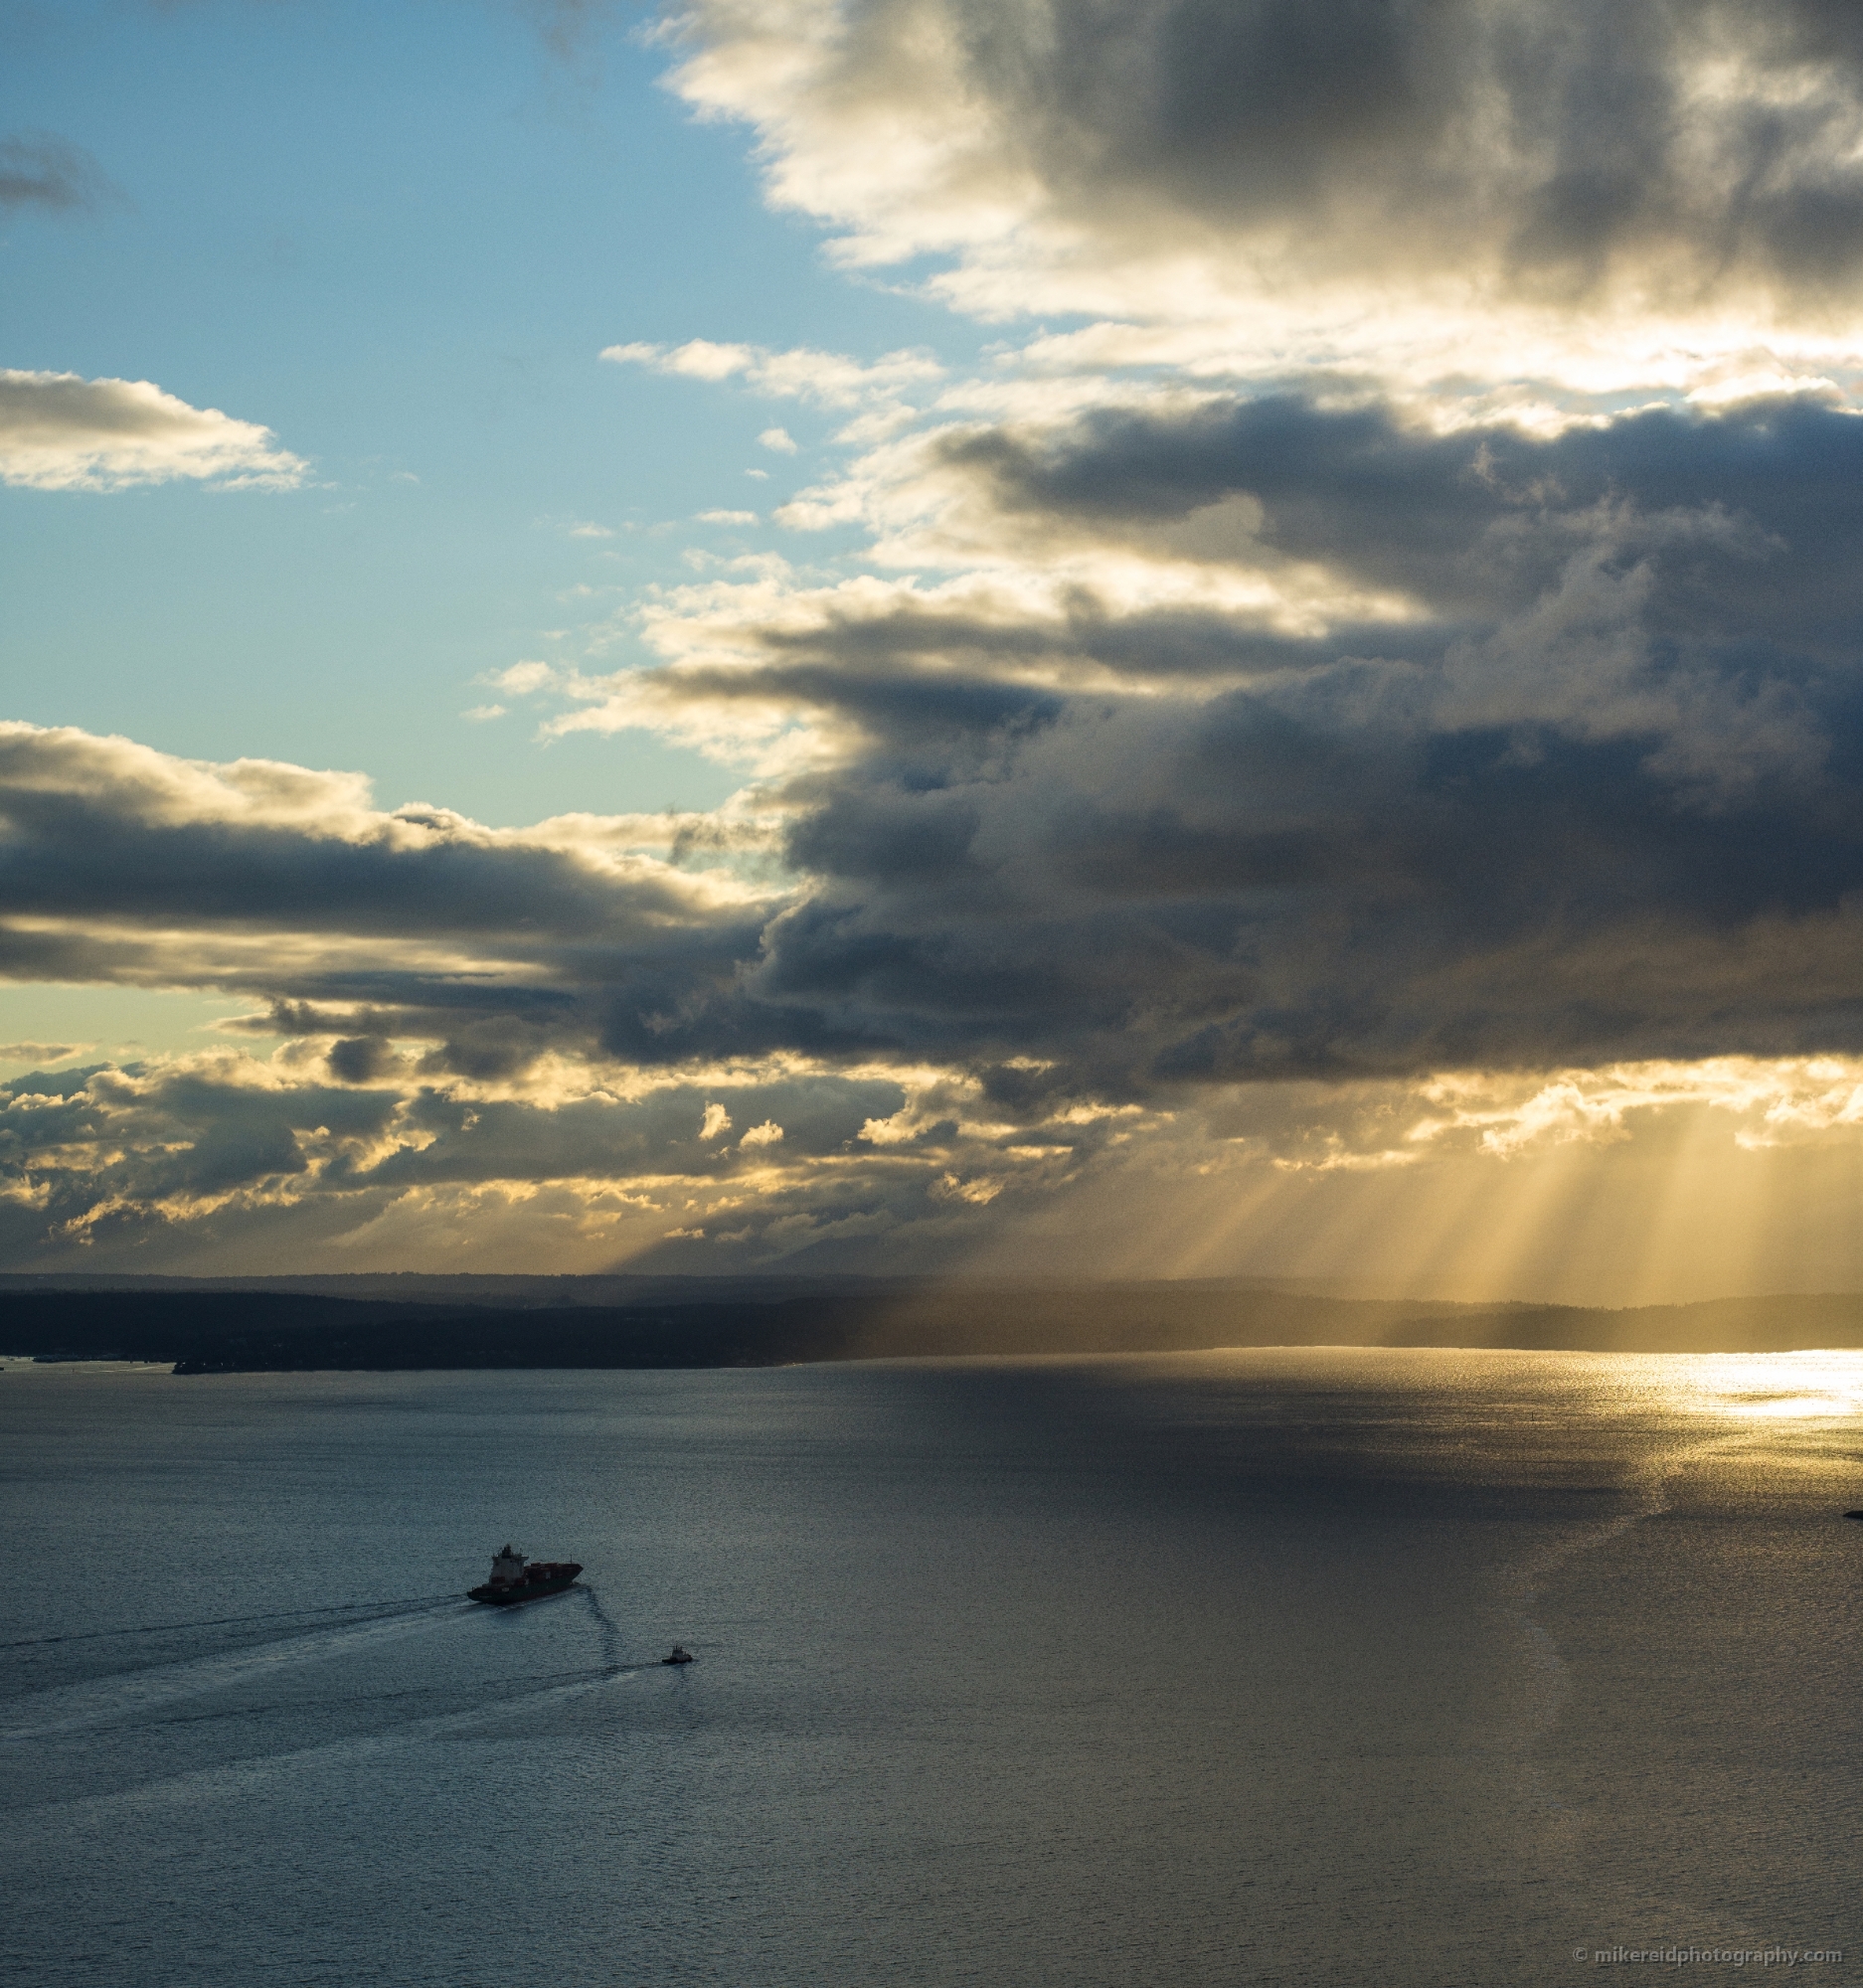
[[681, 1655], [514, 1578]]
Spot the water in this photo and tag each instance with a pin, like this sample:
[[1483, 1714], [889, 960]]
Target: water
[[1303, 1666]]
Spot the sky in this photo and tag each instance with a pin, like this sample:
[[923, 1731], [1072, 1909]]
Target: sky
[[1196, 639]]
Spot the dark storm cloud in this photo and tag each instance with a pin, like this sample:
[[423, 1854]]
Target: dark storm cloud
[[1685, 581], [1303, 902], [120, 863], [1594, 792], [361, 1058], [1685, 146], [1570, 132], [943, 663], [77, 853], [1752, 516], [1598, 792]]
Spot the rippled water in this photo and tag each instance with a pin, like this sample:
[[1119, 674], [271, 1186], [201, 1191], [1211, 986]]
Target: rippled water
[[1284, 1666]]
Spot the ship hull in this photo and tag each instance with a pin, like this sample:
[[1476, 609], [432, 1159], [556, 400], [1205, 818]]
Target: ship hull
[[529, 1590]]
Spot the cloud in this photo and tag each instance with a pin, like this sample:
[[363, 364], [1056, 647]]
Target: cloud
[[197, 1152], [39, 170], [345, 1155], [59, 431], [727, 517], [1368, 709], [824, 379], [1009, 1001], [362, 1059], [1375, 177], [1260, 737], [522, 679], [778, 439], [496, 946]]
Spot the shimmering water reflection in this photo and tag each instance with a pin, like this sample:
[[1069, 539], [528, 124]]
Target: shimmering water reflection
[[1826, 1386], [1304, 1666]]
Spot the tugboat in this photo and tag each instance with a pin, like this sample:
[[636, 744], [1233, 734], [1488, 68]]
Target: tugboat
[[516, 1580], [680, 1655]]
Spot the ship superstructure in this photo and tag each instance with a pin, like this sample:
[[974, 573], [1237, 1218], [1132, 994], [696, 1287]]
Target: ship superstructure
[[515, 1579]]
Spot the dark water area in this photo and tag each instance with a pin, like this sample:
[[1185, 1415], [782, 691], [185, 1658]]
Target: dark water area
[[1303, 1666]]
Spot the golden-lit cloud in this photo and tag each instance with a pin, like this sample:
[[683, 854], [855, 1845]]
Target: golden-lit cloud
[[60, 431], [1597, 199], [825, 379], [1340, 756], [1507, 1186]]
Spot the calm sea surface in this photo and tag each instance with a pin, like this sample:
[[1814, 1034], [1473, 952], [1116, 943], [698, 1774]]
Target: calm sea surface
[[1336, 1667]]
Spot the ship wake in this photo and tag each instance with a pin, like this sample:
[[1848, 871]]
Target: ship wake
[[128, 1696]]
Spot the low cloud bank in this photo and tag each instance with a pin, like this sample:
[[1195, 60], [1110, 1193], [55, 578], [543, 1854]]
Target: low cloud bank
[[231, 1162]]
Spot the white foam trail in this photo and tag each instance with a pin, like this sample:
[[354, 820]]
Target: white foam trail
[[355, 1611], [254, 1771], [137, 1694]]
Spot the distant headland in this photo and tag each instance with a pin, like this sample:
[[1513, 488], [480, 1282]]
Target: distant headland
[[413, 1321]]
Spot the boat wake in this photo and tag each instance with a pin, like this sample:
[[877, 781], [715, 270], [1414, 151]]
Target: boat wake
[[612, 1662], [350, 1612], [128, 1696]]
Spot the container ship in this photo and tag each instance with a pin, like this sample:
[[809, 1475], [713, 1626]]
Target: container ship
[[514, 1578]]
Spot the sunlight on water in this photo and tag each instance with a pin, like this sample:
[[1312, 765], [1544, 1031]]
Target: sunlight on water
[[1404, 1666], [1769, 1386]]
